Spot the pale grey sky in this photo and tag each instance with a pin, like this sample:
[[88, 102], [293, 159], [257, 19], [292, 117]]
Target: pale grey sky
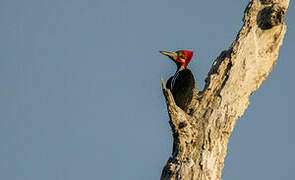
[[80, 94]]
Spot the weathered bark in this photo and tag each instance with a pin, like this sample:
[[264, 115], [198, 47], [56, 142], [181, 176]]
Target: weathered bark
[[200, 139]]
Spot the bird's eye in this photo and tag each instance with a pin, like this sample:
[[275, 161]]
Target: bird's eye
[[180, 54]]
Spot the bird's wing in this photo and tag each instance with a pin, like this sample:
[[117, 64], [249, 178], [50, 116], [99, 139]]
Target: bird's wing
[[183, 88]]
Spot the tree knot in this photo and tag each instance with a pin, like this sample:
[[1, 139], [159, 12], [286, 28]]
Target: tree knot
[[270, 16]]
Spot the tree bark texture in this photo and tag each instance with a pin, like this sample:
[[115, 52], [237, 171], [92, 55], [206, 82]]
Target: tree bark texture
[[201, 138]]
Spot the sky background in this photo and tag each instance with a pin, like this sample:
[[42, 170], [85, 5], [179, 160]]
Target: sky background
[[81, 98]]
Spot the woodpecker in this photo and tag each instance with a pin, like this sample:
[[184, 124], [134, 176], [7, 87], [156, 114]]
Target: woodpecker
[[182, 83]]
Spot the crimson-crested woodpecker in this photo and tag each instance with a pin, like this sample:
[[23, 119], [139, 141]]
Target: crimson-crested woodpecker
[[182, 83]]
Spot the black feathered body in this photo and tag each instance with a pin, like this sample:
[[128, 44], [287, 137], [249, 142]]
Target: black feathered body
[[183, 88]]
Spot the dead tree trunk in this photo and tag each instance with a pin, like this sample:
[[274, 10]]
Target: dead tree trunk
[[200, 139]]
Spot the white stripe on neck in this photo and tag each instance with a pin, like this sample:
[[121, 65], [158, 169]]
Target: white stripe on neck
[[175, 76]]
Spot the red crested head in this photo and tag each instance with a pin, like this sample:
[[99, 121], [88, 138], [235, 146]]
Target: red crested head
[[180, 57], [184, 55]]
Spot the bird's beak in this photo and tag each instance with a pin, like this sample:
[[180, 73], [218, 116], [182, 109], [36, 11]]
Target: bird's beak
[[172, 55]]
